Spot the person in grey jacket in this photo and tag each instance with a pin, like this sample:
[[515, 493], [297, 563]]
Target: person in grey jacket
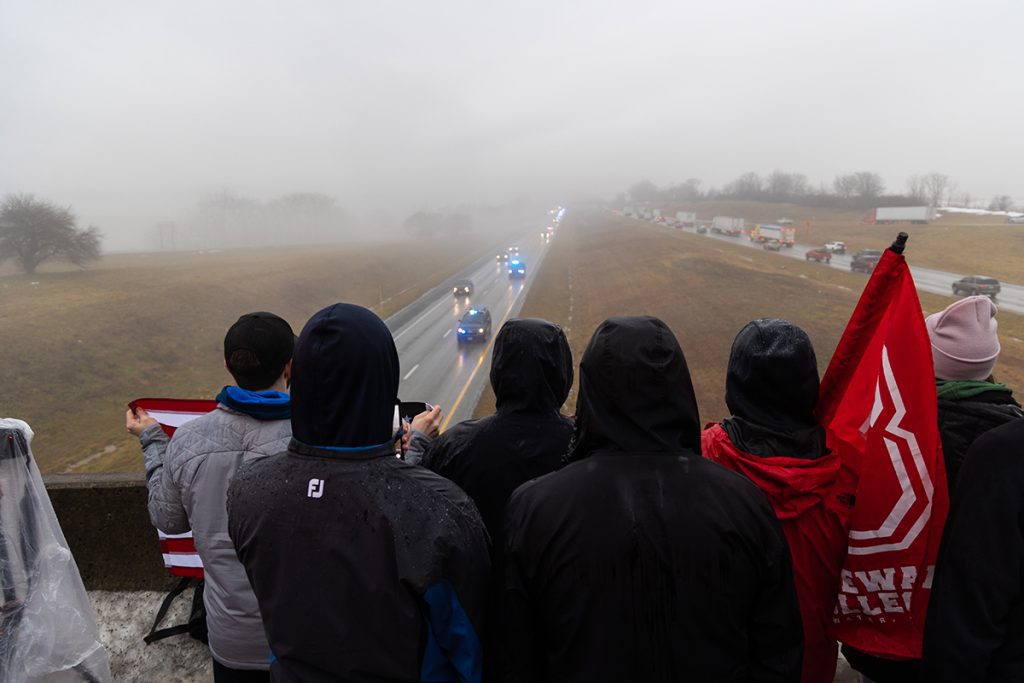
[[188, 476]]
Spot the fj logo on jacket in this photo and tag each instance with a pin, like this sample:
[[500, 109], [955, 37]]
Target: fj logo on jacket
[[316, 488]]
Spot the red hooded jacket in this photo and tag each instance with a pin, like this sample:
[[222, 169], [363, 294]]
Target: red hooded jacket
[[802, 494]]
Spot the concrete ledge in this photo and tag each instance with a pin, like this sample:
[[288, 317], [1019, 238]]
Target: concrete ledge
[[107, 526]]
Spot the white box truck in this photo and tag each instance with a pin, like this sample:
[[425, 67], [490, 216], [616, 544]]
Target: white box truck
[[903, 214], [727, 225], [687, 219]]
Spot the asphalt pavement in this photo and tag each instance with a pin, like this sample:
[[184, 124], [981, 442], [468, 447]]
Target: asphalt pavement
[[435, 367], [927, 279]]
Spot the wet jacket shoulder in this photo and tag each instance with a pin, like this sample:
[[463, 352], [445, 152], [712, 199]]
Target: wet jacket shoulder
[[531, 374], [488, 458], [975, 626], [401, 548], [676, 566], [964, 420]]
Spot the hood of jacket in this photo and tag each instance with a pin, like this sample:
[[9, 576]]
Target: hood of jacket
[[635, 391], [344, 380], [772, 379], [794, 485], [531, 370]]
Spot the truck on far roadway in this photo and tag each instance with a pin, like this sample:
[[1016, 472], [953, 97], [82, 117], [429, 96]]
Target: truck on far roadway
[[687, 219], [764, 232], [727, 225], [902, 214]]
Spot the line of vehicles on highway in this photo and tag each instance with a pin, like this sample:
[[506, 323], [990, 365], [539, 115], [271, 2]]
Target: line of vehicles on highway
[[776, 236], [475, 324]]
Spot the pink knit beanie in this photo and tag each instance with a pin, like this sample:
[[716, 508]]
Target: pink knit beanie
[[964, 341]]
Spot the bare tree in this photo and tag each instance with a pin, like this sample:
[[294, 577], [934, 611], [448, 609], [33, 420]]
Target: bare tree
[[951, 191], [868, 185], [916, 188], [845, 185], [936, 187], [643, 191], [33, 231], [747, 186], [687, 191], [1001, 202]]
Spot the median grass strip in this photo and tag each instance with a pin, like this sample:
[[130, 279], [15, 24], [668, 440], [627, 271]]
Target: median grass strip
[[706, 290], [79, 345]]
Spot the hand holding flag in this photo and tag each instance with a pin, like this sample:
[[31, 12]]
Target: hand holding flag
[[179, 550]]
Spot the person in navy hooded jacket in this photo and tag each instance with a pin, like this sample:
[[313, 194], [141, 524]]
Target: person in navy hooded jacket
[[366, 568]]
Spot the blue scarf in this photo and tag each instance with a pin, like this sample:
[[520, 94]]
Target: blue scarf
[[262, 405]]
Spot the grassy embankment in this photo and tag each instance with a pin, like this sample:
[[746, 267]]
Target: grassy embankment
[[706, 290], [78, 345], [956, 242]]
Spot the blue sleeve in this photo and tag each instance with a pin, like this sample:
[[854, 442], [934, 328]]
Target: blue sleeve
[[453, 652]]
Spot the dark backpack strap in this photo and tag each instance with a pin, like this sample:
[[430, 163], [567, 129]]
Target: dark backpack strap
[[155, 634]]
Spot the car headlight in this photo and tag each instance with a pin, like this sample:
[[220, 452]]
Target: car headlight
[[481, 330], [462, 330]]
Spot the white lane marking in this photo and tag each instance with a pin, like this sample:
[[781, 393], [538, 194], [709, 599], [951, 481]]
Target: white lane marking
[[445, 335], [417, 320], [409, 374]]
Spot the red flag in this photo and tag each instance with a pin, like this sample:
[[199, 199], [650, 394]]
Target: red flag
[[178, 550], [879, 407]]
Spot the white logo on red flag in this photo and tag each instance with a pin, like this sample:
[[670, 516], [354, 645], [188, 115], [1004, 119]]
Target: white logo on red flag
[[916, 488]]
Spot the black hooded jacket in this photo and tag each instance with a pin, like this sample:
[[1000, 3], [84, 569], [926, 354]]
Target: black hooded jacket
[[771, 389], [640, 560], [974, 632], [365, 568], [961, 421], [531, 373]]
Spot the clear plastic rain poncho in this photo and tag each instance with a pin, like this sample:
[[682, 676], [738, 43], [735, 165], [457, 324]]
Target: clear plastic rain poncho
[[47, 628]]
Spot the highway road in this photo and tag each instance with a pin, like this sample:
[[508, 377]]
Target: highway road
[[435, 367], [927, 279]]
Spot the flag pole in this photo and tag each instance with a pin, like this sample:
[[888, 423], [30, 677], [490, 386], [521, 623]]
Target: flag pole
[[899, 244]]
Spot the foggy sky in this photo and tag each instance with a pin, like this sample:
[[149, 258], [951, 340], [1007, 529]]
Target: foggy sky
[[130, 111]]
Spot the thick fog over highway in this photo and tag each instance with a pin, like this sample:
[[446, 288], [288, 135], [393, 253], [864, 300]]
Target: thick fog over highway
[[140, 115]]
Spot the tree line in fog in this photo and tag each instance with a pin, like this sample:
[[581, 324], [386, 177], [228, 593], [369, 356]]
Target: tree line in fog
[[855, 190]]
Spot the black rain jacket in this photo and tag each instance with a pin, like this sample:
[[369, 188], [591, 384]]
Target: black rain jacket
[[964, 420], [531, 374], [974, 632], [641, 560], [366, 569]]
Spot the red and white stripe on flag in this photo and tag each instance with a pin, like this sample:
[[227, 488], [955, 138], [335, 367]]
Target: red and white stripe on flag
[[878, 405], [180, 556], [178, 550], [171, 413]]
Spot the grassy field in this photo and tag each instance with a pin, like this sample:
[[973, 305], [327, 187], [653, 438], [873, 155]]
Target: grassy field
[[959, 243], [706, 290], [78, 345]]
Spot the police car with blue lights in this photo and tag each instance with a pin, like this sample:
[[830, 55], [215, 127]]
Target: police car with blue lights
[[475, 325], [516, 269]]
